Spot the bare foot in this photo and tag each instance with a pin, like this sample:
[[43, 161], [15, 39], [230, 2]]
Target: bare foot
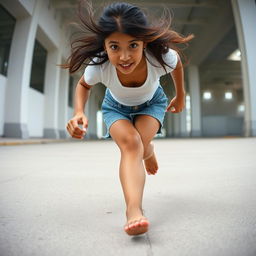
[[151, 164], [136, 224]]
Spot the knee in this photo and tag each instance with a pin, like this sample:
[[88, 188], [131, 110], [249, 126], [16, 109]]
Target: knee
[[133, 143]]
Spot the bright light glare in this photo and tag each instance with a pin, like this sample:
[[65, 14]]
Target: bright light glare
[[235, 56], [241, 108], [207, 95], [228, 95]]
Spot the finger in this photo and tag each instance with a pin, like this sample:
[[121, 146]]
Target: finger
[[85, 124], [78, 131], [70, 129], [168, 108], [173, 109], [75, 128], [80, 121], [74, 132], [77, 137]]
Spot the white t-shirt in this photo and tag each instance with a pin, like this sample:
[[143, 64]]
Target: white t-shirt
[[131, 96]]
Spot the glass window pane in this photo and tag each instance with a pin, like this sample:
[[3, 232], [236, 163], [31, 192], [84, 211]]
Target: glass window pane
[[70, 91], [38, 67], [7, 24]]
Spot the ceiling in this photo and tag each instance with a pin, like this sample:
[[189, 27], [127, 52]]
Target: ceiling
[[212, 23]]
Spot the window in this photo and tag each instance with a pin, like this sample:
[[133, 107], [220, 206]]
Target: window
[[38, 67], [7, 24], [70, 91]]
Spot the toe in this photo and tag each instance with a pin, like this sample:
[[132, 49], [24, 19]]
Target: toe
[[137, 223], [144, 222], [131, 225]]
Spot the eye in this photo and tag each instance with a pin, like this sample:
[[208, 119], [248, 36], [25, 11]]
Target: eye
[[134, 45], [113, 47]]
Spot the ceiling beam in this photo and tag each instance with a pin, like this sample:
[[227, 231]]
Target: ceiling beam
[[177, 4], [62, 4], [197, 21], [210, 36]]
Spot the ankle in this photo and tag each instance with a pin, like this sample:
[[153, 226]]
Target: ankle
[[149, 151], [148, 156], [134, 209]]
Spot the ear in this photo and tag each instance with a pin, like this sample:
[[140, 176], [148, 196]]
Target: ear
[[105, 49]]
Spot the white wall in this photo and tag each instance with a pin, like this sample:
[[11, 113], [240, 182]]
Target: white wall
[[35, 113], [3, 81], [70, 113], [220, 117], [52, 35], [222, 126]]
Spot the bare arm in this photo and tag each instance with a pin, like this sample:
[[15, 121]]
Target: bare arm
[[178, 102], [81, 96]]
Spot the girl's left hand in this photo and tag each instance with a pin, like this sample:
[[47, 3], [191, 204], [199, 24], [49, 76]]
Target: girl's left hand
[[176, 105]]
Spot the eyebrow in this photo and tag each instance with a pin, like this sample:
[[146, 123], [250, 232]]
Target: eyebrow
[[116, 42]]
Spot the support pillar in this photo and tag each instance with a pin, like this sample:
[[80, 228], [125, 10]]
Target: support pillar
[[244, 14], [19, 71], [194, 88], [52, 83], [63, 103]]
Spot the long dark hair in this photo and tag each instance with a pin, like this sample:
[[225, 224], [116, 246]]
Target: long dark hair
[[125, 18]]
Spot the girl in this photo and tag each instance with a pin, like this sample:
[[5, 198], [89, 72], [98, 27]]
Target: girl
[[128, 55]]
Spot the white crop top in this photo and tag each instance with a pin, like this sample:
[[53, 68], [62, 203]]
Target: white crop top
[[131, 96]]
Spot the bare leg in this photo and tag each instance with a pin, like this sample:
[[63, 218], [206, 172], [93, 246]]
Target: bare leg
[[132, 174], [150, 160], [147, 127]]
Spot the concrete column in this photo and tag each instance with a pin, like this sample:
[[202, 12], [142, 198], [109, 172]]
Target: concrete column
[[183, 124], [169, 125], [194, 88], [176, 127], [63, 103], [92, 132], [20, 61], [244, 14], [52, 83]]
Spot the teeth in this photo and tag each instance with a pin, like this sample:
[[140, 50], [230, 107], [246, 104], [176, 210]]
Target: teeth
[[125, 65]]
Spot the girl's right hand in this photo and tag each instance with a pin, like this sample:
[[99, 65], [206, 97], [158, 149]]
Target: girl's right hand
[[72, 126]]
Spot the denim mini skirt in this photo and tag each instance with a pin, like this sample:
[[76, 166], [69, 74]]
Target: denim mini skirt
[[113, 111]]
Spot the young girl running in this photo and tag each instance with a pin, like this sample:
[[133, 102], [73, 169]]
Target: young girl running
[[128, 55]]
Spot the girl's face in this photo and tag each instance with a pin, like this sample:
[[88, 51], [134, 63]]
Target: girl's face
[[124, 51]]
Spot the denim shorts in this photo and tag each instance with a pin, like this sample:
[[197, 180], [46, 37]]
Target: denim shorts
[[113, 111]]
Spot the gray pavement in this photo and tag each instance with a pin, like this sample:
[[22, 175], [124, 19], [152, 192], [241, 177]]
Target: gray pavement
[[65, 199]]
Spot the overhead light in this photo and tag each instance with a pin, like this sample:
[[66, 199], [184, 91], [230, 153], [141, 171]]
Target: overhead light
[[228, 95], [241, 108], [235, 56], [207, 95]]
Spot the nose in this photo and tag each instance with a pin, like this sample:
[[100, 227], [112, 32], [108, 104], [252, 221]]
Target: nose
[[125, 55]]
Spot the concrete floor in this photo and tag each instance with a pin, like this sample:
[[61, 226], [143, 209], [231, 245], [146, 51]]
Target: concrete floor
[[65, 199]]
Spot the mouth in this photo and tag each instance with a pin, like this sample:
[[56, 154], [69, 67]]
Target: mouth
[[126, 66]]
